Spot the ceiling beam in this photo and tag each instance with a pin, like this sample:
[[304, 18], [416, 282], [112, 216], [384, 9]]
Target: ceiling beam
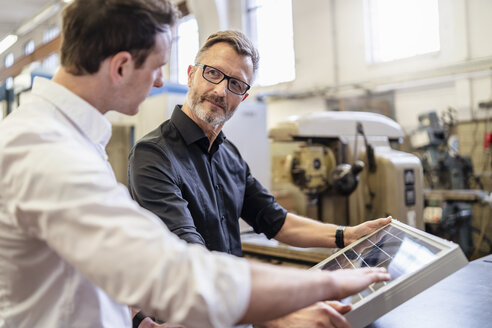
[[39, 54]]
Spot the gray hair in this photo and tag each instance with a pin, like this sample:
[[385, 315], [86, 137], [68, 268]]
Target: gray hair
[[237, 40]]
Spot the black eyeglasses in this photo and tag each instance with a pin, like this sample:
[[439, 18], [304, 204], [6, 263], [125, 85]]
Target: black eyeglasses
[[215, 76]]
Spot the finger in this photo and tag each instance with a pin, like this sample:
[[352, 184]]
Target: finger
[[380, 274], [337, 319], [376, 274], [146, 323], [372, 269], [382, 221], [377, 270], [339, 306]]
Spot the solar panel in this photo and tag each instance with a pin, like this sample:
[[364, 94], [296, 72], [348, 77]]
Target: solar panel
[[415, 260]]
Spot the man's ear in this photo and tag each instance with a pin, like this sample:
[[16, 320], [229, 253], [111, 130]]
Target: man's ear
[[191, 70], [245, 96], [120, 66]]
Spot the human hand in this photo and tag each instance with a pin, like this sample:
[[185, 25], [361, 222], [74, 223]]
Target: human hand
[[352, 234], [320, 315], [149, 323], [347, 282]]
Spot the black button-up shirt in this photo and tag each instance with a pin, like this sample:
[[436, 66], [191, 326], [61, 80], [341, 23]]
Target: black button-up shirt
[[200, 195]]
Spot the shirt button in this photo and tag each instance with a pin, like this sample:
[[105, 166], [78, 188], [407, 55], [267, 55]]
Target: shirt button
[[222, 218]]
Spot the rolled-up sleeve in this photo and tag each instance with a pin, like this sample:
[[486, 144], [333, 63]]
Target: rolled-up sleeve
[[260, 210], [154, 185]]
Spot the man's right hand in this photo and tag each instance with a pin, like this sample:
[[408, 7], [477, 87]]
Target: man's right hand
[[351, 281], [330, 314], [291, 289]]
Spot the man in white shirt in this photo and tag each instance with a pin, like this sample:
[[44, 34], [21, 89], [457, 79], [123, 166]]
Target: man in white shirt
[[75, 250]]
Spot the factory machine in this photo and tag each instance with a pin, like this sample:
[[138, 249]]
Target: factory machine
[[346, 166], [448, 205]]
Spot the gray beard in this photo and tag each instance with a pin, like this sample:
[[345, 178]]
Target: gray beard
[[214, 119]]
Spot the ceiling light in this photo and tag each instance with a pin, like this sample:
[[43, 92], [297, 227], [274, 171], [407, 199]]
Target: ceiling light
[[7, 42], [38, 19]]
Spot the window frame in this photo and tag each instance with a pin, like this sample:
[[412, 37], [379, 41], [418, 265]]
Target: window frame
[[371, 35]]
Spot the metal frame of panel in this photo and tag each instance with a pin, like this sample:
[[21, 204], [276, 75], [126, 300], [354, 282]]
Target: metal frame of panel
[[416, 260]]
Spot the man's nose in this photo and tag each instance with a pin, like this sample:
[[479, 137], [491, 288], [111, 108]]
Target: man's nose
[[221, 88], [159, 80]]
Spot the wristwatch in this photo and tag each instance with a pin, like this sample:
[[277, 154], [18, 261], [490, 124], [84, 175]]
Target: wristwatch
[[137, 319], [339, 237], [140, 316]]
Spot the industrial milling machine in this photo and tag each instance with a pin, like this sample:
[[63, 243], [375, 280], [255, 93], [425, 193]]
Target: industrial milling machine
[[345, 165]]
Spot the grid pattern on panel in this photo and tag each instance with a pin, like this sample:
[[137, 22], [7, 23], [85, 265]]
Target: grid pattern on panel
[[396, 250]]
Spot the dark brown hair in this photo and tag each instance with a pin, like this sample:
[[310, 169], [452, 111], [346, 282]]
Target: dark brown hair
[[94, 30], [237, 40]]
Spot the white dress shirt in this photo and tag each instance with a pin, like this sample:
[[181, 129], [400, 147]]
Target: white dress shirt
[[75, 249]]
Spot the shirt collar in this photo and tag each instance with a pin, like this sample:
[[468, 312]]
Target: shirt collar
[[189, 130], [82, 114]]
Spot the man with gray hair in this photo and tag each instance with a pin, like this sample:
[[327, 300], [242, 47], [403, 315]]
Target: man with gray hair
[[195, 180]]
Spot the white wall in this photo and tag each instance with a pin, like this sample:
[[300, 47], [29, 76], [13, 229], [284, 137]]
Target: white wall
[[480, 27], [453, 77], [313, 43]]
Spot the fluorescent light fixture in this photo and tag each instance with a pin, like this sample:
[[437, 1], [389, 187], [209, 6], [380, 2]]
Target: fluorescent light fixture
[[38, 19], [67, 1], [7, 42]]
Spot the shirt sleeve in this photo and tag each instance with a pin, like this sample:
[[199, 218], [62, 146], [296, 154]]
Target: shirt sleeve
[[260, 210], [153, 184], [68, 198]]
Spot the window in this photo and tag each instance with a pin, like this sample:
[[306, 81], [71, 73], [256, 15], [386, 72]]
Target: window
[[397, 29], [9, 83], [275, 43], [9, 60], [29, 47], [185, 48], [51, 33], [51, 63]]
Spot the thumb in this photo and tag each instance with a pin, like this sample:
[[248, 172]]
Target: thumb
[[339, 307]]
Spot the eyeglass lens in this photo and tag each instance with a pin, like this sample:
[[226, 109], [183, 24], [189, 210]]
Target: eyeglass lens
[[214, 75]]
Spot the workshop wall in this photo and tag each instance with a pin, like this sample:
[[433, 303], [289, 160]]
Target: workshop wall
[[330, 49], [330, 52]]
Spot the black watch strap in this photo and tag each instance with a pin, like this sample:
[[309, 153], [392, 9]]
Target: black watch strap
[[339, 241], [138, 318]]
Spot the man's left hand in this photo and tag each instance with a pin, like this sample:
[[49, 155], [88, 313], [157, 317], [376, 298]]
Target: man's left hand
[[320, 315], [351, 234], [149, 323]]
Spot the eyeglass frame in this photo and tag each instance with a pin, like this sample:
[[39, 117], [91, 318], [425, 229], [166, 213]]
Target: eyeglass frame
[[225, 76]]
